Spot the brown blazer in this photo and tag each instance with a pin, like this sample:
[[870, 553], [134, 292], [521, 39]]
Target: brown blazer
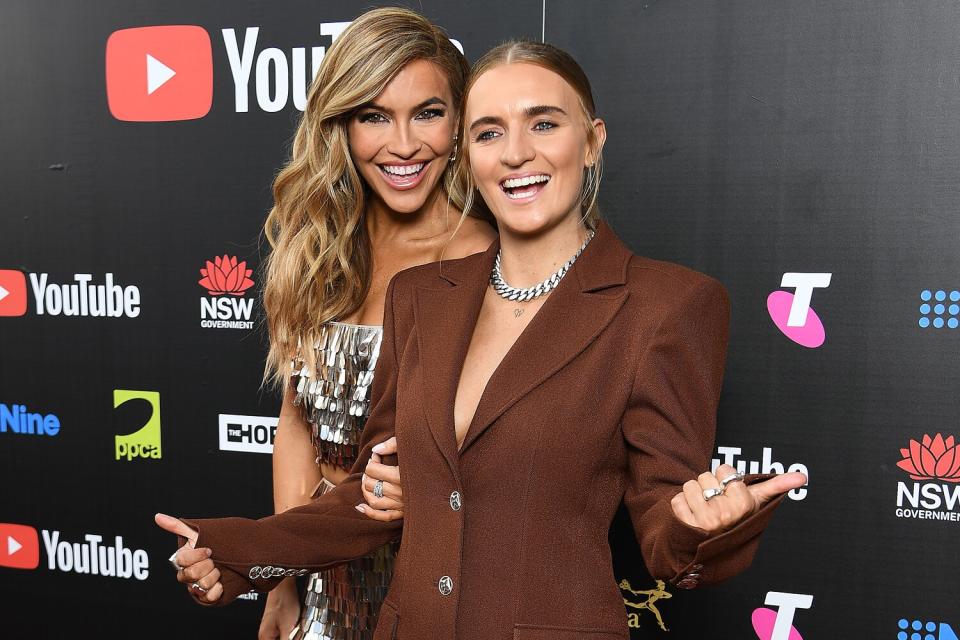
[[609, 395]]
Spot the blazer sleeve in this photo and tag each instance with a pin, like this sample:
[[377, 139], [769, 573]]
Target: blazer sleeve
[[669, 427], [258, 554]]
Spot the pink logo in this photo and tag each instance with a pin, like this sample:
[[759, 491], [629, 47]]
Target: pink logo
[[763, 622], [792, 313]]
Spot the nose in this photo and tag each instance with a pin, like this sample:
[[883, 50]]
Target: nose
[[517, 150], [403, 142]]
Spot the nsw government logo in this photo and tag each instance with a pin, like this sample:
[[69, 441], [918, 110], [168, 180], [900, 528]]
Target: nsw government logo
[[933, 463], [226, 307]]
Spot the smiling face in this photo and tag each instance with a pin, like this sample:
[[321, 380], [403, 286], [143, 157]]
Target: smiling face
[[528, 146], [401, 141]]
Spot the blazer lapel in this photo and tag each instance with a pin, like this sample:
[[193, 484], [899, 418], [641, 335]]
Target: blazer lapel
[[445, 318], [576, 312]]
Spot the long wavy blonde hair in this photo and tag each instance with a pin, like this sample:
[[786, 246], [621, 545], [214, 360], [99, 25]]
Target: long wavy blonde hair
[[320, 266], [542, 54]]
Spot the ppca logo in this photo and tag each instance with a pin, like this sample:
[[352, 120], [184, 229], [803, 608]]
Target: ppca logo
[[792, 313], [145, 442], [777, 624], [928, 630]]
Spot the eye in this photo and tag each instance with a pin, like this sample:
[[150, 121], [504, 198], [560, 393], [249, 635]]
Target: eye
[[544, 125], [372, 117], [486, 136], [431, 114]]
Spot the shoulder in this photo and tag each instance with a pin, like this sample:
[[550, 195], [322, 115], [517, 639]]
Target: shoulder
[[473, 236], [668, 280]]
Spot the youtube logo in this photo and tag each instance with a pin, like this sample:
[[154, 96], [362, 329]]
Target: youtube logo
[[19, 546], [159, 73], [13, 293]]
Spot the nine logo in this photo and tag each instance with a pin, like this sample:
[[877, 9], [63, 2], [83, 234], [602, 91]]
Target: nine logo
[[792, 313], [929, 460], [13, 293], [778, 625], [917, 630], [145, 442], [226, 281], [252, 434], [159, 73], [937, 303], [766, 464], [16, 418]]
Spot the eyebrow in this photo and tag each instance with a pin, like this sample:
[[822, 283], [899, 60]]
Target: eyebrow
[[530, 112], [425, 103]]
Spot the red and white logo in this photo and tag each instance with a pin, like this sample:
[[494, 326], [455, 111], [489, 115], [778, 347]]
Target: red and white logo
[[226, 280], [19, 546], [160, 73], [13, 293], [933, 463]]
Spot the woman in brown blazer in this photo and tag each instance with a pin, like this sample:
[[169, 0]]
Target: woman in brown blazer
[[524, 416]]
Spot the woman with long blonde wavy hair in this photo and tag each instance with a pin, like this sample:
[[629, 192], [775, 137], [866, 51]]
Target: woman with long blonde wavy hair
[[364, 195]]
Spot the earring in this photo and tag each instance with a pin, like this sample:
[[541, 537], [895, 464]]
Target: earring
[[453, 156]]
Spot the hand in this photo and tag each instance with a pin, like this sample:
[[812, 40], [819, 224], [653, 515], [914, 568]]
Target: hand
[[390, 506], [281, 613], [198, 568], [736, 503]]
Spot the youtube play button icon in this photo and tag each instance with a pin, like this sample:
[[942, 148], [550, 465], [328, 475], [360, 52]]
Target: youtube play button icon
[[13, 293], [160, 73], [19, 546]]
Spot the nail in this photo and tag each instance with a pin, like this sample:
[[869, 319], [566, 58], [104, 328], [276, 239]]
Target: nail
[[378, 448], [360, 508], [209, 552]]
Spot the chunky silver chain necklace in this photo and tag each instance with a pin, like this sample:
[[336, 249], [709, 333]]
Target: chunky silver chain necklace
[[507, 292]]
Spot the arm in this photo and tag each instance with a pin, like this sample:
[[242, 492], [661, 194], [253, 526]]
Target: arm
[[669, 428], [295, 474], [327, 531]]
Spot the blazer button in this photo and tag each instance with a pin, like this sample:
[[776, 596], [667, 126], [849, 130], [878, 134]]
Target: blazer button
[[254, 572], [456, 501], [446, 586]]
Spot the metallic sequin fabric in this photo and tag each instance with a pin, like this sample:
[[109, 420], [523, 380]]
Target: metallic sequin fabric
[[341, 603]]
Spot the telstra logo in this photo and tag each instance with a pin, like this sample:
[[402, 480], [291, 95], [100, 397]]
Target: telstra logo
[[792, 313]]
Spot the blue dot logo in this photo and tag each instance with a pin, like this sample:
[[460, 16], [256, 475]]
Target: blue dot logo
[[940, 314]]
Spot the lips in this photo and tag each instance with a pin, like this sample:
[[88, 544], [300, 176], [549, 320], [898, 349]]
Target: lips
[[524, 187], [404, 176]]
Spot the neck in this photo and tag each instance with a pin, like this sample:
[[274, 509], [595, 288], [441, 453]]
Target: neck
[[526, 260], [429, 221]]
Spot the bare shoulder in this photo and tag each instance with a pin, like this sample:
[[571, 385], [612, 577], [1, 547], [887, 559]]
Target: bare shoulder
[[473, 236]]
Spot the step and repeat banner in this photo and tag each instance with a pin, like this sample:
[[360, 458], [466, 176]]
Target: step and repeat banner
[[805, 154]]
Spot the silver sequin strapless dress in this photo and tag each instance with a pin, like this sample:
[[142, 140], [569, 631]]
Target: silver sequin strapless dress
[[341, 603]]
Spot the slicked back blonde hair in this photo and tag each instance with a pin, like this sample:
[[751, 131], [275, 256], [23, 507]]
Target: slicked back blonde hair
[[320, 266], [562, 63]]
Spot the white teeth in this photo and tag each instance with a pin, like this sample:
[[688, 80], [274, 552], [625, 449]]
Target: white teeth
[[513, 183], [402, 170]]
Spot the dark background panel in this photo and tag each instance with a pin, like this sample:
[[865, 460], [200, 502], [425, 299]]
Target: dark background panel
[[748, 138]]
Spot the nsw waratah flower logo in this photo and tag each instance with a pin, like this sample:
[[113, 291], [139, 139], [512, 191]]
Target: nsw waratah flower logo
[[935, 458], [226, 276]]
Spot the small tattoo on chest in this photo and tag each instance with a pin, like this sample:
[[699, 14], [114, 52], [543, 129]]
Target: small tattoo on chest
[[517, 313]]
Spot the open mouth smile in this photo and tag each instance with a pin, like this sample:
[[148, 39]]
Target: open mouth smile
[[524, 187], [403, 176]]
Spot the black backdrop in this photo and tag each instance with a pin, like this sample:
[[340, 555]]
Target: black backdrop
[[748, 139]]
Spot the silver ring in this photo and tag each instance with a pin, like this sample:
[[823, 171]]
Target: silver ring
[[711, 493], [734, 477], [173, 562], [378, 489], [196, 587]]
